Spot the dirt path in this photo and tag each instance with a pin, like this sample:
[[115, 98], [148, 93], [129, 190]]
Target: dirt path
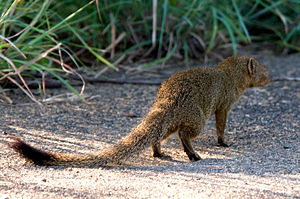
[[262, 162]]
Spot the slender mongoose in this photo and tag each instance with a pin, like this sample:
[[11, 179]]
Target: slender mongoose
[[183, 104]]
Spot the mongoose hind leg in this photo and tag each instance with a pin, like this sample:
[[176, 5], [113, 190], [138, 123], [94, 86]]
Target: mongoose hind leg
[[185, 138], [157, 150], [158, 154], [156, 147]]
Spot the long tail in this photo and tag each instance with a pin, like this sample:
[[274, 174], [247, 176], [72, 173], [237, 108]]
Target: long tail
[[149, 131]]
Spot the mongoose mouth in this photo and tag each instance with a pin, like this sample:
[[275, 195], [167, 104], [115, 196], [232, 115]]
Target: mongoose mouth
[[266, 82], [260, 84]]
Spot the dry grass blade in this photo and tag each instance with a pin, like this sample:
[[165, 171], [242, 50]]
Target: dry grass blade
[[98, 10], [199, 39], [283, 19], [113, 36], [154, 22], [36, 19], [9, 11], [114, 42], [70, 69], [154, 28], [18, 71], [8, 61], [64, 97], [134, 36], [6, 40], [3, 97], [21, 87], [171, 41], [36, 59], [4, 76], [39, 57]]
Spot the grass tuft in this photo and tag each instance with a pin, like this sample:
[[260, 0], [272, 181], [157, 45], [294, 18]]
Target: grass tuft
[[44, 36]]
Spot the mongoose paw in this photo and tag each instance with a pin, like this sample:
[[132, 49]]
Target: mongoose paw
[[162, 156], [224, 145], [157, 155], [194, 157]]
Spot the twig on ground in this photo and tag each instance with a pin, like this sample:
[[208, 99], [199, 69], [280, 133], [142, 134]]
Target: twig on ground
[[121, 81], [64, 97], [297, 79]]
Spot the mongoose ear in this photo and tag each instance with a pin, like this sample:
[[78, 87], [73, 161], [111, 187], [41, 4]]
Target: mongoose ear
[[251, 67]]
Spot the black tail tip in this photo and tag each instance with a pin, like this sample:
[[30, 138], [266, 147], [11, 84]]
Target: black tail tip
[[16, 144], [28, 152]]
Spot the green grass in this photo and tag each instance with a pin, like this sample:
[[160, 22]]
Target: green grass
[[35, 34]]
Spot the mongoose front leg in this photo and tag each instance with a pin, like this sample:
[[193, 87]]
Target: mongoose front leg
[[221, 117], [187, 146]]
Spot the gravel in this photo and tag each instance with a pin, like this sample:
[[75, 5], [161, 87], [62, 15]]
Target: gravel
[[262, 161]]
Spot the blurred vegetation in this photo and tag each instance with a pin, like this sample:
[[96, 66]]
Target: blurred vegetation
[[50, 37]]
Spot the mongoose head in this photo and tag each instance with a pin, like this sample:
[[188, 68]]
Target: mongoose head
[[252, 73], [257, 73]]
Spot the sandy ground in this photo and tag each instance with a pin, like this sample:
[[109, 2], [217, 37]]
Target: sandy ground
[[262, 161]]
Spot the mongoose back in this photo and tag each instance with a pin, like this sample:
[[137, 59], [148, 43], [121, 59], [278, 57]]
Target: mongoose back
[[183, 104]]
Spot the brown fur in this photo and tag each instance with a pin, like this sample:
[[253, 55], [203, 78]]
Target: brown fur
[[183, 104]]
